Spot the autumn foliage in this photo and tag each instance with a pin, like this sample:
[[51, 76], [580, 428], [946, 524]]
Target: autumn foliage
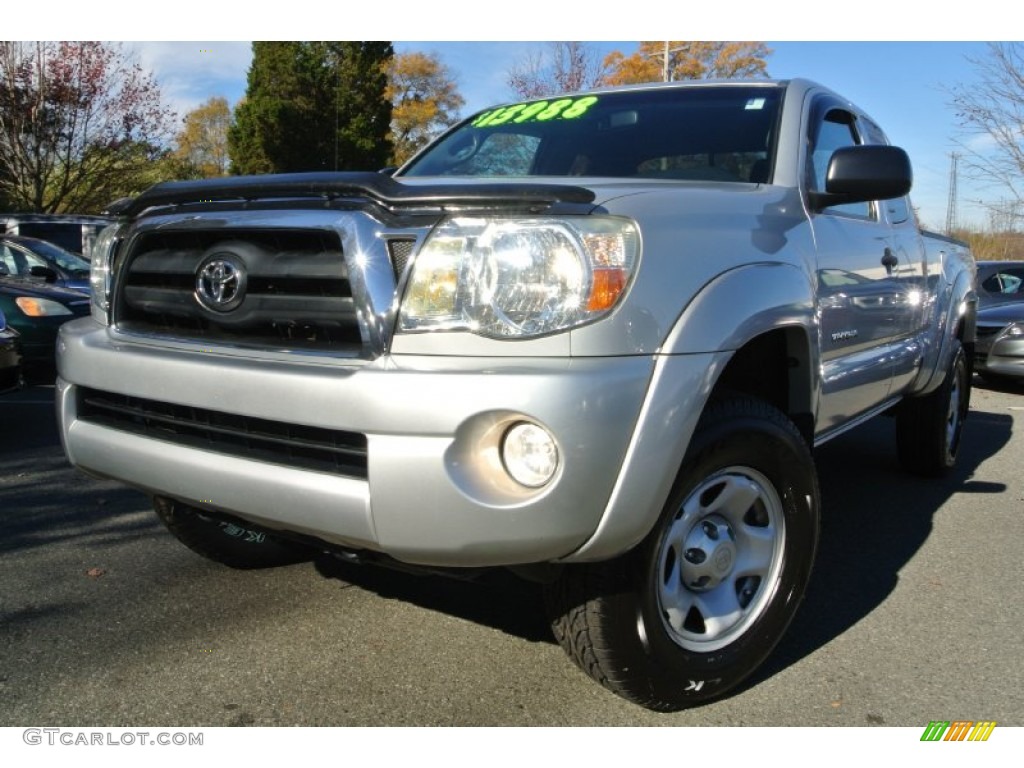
[[424, 98], [687, 60], [202, 144], [81, 123], [563, 67]]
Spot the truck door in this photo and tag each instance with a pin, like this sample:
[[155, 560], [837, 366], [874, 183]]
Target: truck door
[[913, 309], [860, 298]]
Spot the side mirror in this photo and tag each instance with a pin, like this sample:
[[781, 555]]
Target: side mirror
[[44, 272], [864, 172]]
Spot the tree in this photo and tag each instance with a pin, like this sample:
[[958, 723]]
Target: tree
[[561, 67], [686, 60], [202, 145], [81, 124], [424, 101], [991, 113], [313, 106]]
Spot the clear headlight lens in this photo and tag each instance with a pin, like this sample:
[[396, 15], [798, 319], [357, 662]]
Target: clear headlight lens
[[518, 278], [41, 307], [100, 272], [1014, 331]]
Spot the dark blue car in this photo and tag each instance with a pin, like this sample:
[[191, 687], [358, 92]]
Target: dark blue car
[[10, 357], [36, 310], [39, 260]]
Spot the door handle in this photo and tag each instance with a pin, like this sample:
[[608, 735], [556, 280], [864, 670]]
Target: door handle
[[889, 261]]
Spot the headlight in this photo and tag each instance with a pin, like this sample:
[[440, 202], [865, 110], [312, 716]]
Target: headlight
[[99, 272], [519, 278], [1013, 331], [41, 307]]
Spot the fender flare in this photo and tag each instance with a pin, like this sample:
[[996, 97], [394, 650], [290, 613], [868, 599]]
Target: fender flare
[[962, 305], [772, 294], [696, 351]]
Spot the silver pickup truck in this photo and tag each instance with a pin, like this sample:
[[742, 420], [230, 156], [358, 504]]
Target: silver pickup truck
[[593, 339]]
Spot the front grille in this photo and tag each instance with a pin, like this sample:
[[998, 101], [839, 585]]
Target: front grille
[[297, 293], [400, 251], [275, 442]]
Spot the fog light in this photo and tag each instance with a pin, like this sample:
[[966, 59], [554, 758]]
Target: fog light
[[530, 454]]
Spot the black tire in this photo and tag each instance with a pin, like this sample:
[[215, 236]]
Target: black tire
[[929, 428], [236, 545], [747, 493]]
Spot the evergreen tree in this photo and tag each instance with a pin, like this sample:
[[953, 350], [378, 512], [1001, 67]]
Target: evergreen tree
[[313, 106]]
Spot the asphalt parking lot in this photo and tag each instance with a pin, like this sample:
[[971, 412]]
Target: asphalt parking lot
[[913, 613]]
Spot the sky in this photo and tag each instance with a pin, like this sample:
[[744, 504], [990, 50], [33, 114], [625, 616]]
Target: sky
[[903, 82]]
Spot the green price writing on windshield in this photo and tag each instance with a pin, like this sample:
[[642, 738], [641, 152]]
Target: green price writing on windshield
[[536, 112]]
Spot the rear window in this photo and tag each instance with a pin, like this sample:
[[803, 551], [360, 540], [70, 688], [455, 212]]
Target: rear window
[[711, 133]]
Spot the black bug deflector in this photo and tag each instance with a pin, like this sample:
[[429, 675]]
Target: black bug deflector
[[378, 187]]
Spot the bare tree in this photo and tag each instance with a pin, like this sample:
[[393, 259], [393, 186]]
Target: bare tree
[[561, 67], [991, 113]]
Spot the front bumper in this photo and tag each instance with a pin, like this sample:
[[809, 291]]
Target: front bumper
[[1000, 355], [10, 362], [434, 490]]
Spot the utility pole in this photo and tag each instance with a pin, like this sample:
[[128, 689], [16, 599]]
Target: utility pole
[[666, 73], [951, 213]]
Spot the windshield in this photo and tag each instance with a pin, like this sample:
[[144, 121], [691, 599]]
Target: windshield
[[711, 133]]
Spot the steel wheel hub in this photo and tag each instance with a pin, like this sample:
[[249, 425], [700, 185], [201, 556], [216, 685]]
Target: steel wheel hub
[[720, 559]]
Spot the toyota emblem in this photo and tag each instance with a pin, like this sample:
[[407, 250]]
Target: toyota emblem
[[220, 282]]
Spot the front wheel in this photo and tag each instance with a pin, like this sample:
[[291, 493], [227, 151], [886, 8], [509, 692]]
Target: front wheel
[[701, 602], [242, 546]]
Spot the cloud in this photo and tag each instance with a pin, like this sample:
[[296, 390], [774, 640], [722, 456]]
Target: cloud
[[191, 72]]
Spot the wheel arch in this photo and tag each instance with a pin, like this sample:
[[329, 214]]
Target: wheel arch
[[766, 353]]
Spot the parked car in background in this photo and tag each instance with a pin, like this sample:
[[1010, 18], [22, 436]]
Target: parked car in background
[[1000, 282], [31, 258], [10, 357], [999, 350], [36, 311], [72, 232]]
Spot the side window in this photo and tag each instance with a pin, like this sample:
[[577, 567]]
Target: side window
[[898, 210], [1005, 281], [20, 261], [14, 259], [836, 130]]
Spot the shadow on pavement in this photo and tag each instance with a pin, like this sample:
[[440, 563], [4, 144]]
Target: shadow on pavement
[[43, 499], [875, 518], [497, 599]]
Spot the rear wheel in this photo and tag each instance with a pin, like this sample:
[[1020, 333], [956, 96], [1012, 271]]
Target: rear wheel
[[928, 429], [701, 602], [236, 545]]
